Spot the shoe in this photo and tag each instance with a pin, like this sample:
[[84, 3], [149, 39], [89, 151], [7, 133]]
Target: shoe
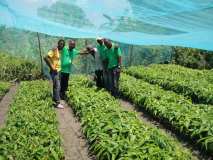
[[60, 106]]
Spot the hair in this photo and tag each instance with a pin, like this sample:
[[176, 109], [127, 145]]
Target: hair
[[61, 40], [71, 40], [105, 40]]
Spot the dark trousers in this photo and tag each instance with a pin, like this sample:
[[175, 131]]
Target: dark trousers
[[64, 84], [56, 86], [99, 78], [114, 75], [106, 79], [105, 75]]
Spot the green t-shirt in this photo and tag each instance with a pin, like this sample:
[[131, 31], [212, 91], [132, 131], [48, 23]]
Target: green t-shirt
[[112, 56], [101, 49], [67, 57], [73, 53]]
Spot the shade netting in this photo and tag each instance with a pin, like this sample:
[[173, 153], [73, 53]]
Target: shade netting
[[186, 23]]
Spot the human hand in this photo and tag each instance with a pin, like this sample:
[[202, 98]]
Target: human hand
[[118, 69], [53, 70]]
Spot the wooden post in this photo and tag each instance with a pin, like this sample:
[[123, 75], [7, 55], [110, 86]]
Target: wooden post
[[86, 60], [173, 54], [86, 42], [130, 55], [39, 45]]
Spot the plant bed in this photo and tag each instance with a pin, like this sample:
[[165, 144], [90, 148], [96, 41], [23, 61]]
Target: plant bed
[[113, 133], [187, 119], [31, 128], [165, 125], [192, 84], [18, 68], [4, 88]]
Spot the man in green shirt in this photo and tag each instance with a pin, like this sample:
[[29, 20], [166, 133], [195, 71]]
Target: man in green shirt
[[67, 57], [113, 54], [101, 51]]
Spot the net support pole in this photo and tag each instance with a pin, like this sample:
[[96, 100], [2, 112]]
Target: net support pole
[[173, 54], [86, 42], [86, 60], [39, 45], [131, 55]]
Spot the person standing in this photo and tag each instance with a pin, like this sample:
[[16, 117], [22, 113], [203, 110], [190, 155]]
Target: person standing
[[67, 57], [52, 59], [98, 77], [113, 54], [101, 48]]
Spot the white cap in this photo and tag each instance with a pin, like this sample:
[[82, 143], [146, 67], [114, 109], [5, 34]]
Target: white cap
[[99, 38], [95, 49]]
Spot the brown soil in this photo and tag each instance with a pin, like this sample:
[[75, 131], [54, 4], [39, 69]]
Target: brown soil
[[75, 146], [5, 103]]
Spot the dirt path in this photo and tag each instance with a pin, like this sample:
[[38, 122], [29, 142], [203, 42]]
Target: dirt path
[[150, 121], [5, 102], [74, 144]]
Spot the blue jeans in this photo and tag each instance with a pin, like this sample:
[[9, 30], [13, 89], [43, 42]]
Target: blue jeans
[[56, 86]]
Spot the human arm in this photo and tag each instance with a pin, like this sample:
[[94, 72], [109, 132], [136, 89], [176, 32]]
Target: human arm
[[118, 51], [84, 52], [119, 61], [89, 50], [48, 61]]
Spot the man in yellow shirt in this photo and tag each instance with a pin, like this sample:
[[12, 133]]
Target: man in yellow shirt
[[53, 61]]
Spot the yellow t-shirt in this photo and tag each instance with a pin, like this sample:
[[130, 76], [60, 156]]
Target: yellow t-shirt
[[54, 57]]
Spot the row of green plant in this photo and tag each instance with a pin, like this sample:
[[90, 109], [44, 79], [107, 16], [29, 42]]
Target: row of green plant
[[208, 74], [4, 87], [12, 68], [31, 127], [188, 82], [190, 120], [113, 133], [184, 71]]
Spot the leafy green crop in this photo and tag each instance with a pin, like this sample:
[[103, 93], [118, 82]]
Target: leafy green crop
[[195, 121], [31, 128], [194, 84], [13, 67], [4, 87], [117, 134]]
